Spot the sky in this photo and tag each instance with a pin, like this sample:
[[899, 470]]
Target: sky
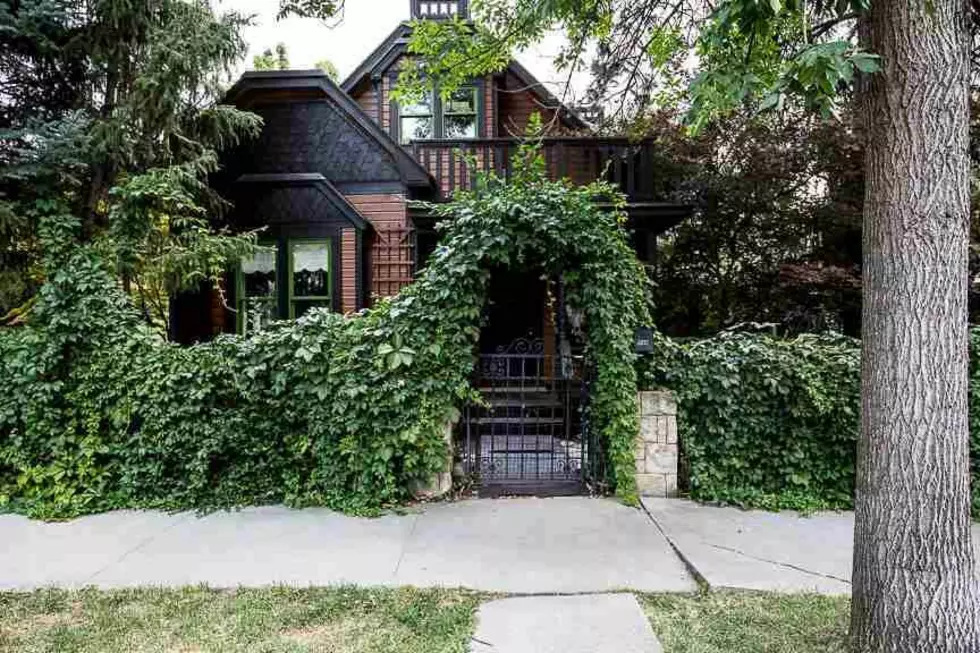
[[364, 24]]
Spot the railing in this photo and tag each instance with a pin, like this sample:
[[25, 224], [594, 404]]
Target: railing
[[626, 164]]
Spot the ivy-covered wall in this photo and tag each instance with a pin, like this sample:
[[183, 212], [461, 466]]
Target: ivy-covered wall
[[97, 412], [773, 423]]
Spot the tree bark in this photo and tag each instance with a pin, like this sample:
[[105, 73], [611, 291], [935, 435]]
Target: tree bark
[[915, 587]]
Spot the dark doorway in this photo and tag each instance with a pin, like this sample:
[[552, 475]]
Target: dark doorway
[[515, 310], [527, 436]]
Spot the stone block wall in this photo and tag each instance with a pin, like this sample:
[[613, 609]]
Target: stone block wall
[[656, 446]]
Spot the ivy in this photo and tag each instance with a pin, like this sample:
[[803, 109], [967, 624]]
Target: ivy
[[349, 412], [773, 423]]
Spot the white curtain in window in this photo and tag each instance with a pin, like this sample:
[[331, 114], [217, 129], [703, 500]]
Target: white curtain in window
[[264, 260], [310, 257]]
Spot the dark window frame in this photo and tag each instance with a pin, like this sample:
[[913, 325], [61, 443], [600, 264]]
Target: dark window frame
[[438, 126], [284, 299]]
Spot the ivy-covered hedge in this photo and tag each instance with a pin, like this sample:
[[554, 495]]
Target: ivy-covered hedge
[[773, 423], [97, 412]]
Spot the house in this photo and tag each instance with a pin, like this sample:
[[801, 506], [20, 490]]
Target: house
[[330, 180]]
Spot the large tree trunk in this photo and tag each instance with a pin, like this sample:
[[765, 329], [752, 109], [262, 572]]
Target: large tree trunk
[[914, 583]]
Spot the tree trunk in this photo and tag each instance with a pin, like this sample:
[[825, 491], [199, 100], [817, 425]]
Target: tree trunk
[[914, 583]]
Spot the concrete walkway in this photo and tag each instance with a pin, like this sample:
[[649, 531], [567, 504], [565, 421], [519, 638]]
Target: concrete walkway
[[521, 546], [561, 545], [564, 624], [754, 549]]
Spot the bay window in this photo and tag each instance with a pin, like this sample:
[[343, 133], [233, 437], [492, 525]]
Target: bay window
[[284, 280], [257, 290], [309, 275]]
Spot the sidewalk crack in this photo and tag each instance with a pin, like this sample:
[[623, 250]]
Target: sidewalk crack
[[408, 539], [698, 577], [139, 545], [776, 562]]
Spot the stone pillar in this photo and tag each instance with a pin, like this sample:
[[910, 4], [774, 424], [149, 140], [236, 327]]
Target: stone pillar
[[441, 482], [656, 446]]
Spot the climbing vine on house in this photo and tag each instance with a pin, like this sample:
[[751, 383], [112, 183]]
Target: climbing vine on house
[[97, 412]]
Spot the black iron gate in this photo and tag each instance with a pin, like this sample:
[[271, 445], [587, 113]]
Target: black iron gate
[[529, 434]]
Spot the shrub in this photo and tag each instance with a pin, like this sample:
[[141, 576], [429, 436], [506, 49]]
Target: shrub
[[773, 423], [97, 412]]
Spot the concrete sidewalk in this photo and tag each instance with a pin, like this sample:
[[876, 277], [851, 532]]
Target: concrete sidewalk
[[520, 546], [754, 549], [561, 545]]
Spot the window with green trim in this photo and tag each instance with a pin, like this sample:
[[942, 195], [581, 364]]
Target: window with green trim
[[310, 278], [258, 290], [432, 117]]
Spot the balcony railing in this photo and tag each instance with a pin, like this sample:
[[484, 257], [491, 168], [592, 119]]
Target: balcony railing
[[624, 163]]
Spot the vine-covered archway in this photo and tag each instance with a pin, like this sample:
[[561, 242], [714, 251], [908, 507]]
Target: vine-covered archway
[[97, 412]]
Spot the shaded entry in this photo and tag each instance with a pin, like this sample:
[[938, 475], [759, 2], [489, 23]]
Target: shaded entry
[[527, 437]]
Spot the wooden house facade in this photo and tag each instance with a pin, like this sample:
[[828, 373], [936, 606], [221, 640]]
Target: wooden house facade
[[329, 184], [329, 179]]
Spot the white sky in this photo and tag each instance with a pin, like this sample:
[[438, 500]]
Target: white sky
[[364, 25]]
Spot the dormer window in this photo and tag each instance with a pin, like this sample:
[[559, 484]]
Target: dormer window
[[455, 117]]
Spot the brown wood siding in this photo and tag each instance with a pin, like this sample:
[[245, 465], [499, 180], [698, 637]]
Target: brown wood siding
[[367, 98], [391, 252], [515, 106], [348, 270], [386, 103], [489, 107]]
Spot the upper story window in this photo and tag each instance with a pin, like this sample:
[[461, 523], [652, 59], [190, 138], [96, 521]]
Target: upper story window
[[417, 121], [434, 117], [459, 113]]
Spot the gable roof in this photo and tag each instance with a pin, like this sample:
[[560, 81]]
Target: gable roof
[[396, 44], [393, 44], [334, 197], [254, 81]]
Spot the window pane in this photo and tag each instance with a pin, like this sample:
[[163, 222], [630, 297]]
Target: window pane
[[259, 273], [301, 306], [259, 300], [311, 271], [416, 129], [257, 313], [462, 100], [460, 126], [421, 108]]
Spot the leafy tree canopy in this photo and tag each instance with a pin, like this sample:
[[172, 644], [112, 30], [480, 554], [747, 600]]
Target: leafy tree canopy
[[109, 114], [647, 52]]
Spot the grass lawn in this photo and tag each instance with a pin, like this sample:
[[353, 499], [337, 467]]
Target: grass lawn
[[749, 622], [274, 620], [348, 620]]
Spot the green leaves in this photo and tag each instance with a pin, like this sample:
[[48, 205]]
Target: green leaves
[[772, 423], [98, 412], [396, 354]]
